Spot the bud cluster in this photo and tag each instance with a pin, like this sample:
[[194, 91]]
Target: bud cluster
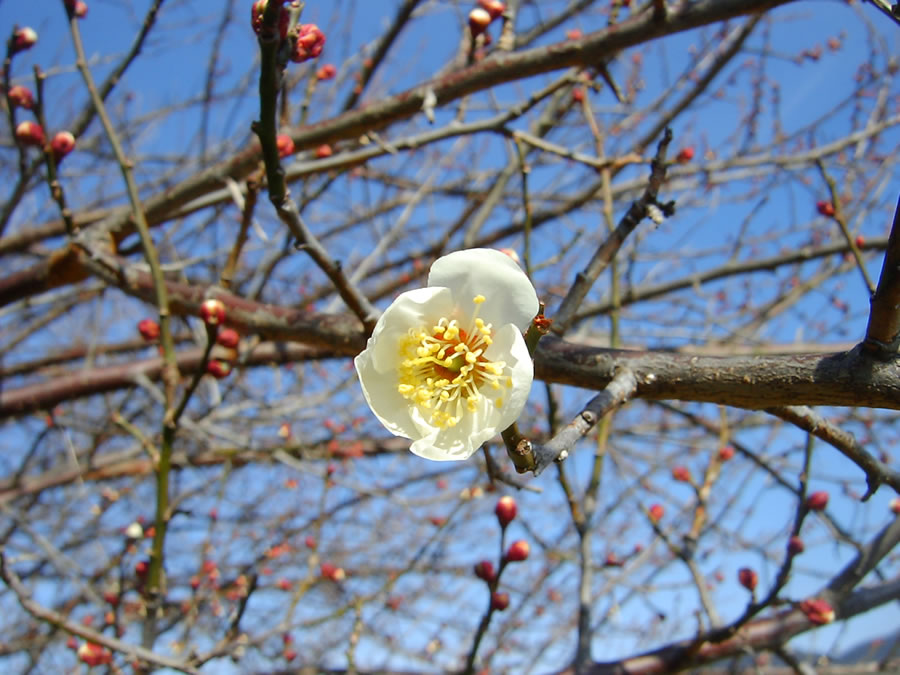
[[306, 39]]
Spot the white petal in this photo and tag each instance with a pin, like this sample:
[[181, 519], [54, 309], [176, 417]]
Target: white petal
[[510, 296], [412, 309], [380, 390], [509, 346]]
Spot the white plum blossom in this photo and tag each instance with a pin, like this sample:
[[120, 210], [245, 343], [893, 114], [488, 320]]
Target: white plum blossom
[[447, 366]]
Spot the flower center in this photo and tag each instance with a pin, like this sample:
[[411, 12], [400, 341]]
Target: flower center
[[443, 368]]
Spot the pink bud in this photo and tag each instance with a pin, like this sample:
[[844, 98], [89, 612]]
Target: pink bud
[[685, 155], [574, 34], [285, 145], [324, 151], [819, 612], [817, 501], [485, 570], [148, 329], [212, 312], [494, 8], [256, 17], [518, 551], [796, 546], [506, 510], [682, 474], [77, 7], [499, 601], [21, 97], [748, 578], [218, 369], [326, 72], [30, 133], [895, 506], [479, 20], [62, 144], [24, 38], [656, 512], [726, 452], [332, 572], [228, 338], [309, 44]]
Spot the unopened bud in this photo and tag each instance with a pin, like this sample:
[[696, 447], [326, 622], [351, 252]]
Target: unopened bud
[[326, 72], [309, 44], [332, 572], [506, 510], [499, 601], [748, 578], [149, 329], [228, 338], [21, 97], [493, 7], [518, 551], [479, 20], [817, 501], [62, 144], [24, 38], [285, 145], [819, 612], [30, 133], [218, 369], [484, 570], [212, 312], [796, 546]]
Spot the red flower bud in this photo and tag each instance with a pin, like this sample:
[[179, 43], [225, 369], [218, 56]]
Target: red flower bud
[[518, 551], [324, 151], [77, 7], [309, 44], [895, 506], [574, 34], [256, 17], [21, 97], [484, 570], [656, 512], [290, 654], [748, 578], [30, 133], [819, 612], [612, 560], [326, 72], [860, 241], [685, 155], [796, 546], [817, 501], [825, 208], [479, 20], [506, 510], [212, 312], [148, 329], [24, 38], [228, 338], [94, 655], [332, 572], [726, 452], [310, 542], [218, 369], [493, 7], [682, 474], [285, 145], [499, 601], [62, 144]]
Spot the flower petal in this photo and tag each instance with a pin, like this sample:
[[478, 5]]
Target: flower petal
[[412, 309], [509, 294], [380, 390], [509, 345]]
